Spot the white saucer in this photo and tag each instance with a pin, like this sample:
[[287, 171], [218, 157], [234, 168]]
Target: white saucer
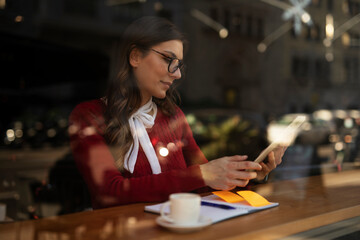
[[203, 222]]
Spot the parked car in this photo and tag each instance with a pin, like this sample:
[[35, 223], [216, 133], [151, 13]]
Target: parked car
[[346, 138]]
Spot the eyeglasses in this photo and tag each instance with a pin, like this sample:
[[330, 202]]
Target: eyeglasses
[[174, 63]]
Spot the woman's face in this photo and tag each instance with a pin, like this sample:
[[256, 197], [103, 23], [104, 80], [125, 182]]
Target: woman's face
[[151, 70]]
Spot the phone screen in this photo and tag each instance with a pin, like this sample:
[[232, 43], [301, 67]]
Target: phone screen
[[285, 138]]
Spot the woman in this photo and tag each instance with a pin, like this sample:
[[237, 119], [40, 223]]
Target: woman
[[134, 145]]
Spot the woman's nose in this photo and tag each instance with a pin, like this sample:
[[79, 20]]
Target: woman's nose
[[176, 74]]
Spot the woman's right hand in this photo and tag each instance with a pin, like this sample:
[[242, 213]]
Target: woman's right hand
[[227, 173]]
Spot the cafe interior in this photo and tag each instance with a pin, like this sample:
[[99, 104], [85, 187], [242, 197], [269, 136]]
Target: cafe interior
[[251, 69]]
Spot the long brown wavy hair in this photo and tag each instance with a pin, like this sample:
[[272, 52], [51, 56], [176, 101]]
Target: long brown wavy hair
[[123, 95]]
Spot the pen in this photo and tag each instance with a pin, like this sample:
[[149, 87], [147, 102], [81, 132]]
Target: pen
[[217, 205]]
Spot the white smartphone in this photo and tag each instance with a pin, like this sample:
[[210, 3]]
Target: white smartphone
[[264, 153], [284, 139]]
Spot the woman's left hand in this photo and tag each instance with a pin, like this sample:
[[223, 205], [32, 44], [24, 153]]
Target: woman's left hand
[[274, 158]]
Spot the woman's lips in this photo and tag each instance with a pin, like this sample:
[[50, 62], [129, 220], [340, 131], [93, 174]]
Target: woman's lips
[[168, 84]]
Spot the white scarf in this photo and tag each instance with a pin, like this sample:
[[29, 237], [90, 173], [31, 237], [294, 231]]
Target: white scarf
[[138, 122]]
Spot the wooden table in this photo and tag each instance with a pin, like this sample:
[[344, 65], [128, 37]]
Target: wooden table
[[305, 204]]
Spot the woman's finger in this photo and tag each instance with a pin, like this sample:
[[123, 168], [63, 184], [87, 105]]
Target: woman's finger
[[240, 182], [244, 165]]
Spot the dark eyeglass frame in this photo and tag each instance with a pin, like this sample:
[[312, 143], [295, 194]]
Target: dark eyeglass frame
[[171, 59]]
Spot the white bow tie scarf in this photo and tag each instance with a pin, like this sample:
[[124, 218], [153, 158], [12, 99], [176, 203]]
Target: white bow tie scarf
[[139, 121]]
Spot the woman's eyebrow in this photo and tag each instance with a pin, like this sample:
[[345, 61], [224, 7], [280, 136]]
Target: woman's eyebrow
[[172, 54]]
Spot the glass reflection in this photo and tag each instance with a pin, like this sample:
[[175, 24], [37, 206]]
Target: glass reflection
[[249, 72]]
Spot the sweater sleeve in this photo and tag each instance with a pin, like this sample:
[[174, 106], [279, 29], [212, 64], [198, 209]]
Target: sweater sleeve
[[108, 187]]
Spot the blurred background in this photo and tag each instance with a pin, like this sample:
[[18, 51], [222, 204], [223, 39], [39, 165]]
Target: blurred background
[[252, 66]]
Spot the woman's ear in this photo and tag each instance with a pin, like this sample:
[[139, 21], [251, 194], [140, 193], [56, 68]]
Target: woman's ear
[[135, 57]]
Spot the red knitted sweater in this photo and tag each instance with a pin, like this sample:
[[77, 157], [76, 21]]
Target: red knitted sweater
[[108, 186]]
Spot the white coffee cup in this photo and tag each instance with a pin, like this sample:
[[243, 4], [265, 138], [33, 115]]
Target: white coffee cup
[[184, 209]]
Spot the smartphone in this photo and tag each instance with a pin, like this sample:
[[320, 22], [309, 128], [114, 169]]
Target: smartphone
[[264, 153], [284, 139]]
